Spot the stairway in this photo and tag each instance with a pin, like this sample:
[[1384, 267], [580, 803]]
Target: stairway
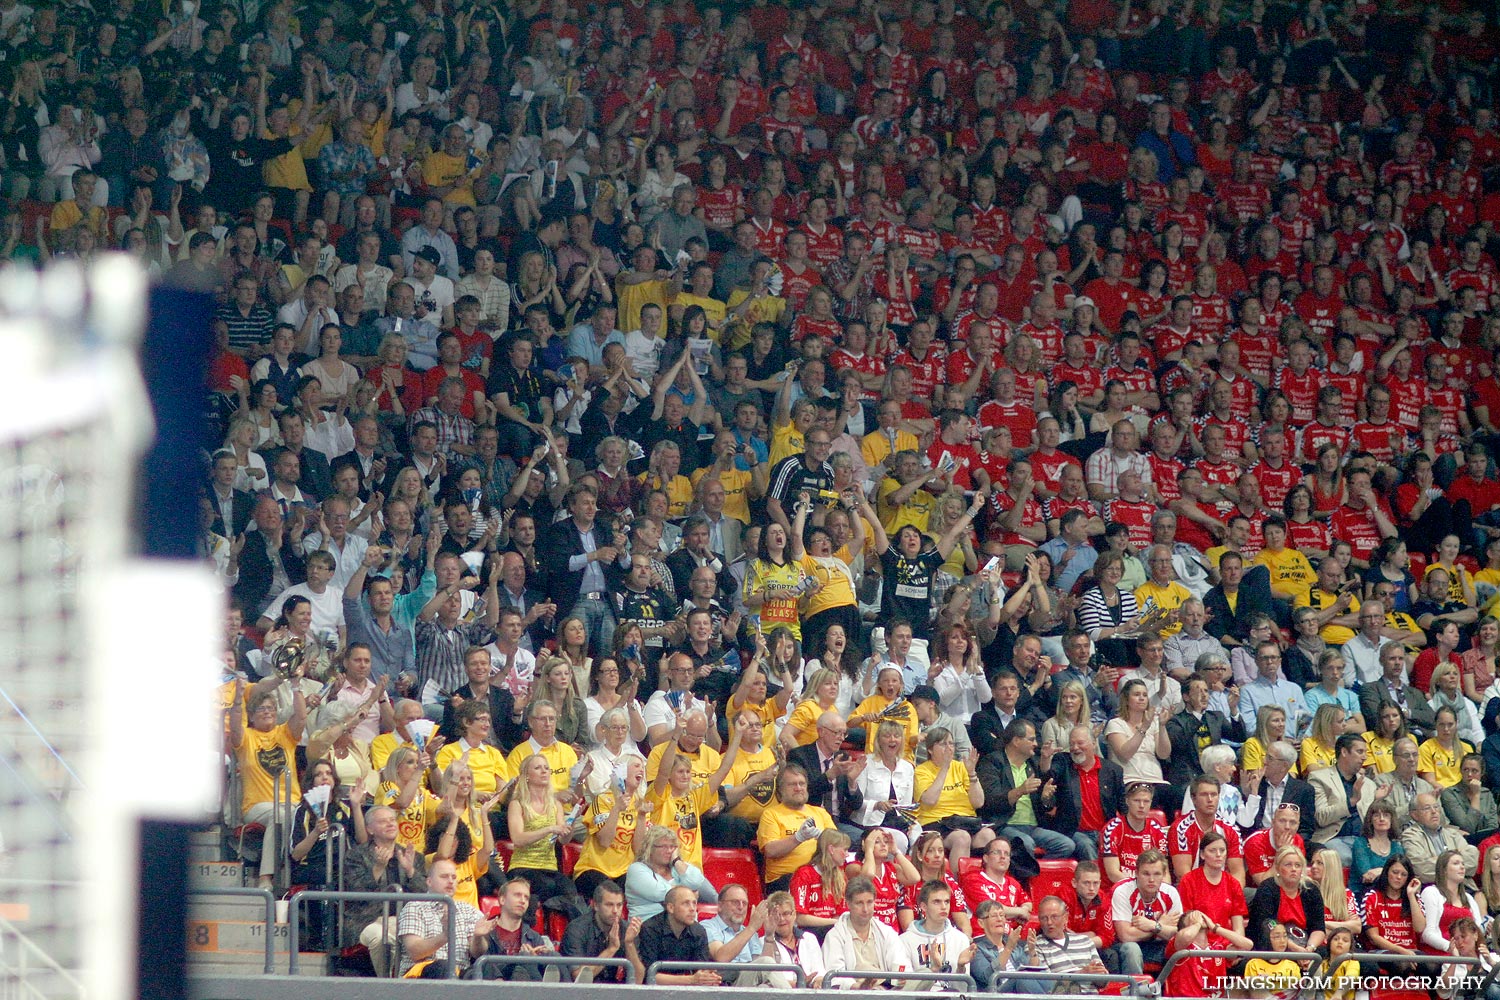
[[226, 934]]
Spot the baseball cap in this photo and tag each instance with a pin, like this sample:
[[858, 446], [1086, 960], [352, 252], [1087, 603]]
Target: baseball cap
[[924, 692], [430, 255]]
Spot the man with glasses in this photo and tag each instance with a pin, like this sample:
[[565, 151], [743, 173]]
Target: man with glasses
[[1015, 792], [1270, 688], [1362, 653], [1401, 786], [1262, 845], [1274, 787], [1427, 837], [832, 772], [806, 472], [1343, 794], [1162, 588], [1392, 689]]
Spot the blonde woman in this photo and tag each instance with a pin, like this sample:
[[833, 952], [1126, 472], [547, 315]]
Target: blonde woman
[[1072, 710], [1326, 871], [615, 821], [1270, 726], [401, 789], [397, 389], [1444, 690], [818, 886], [250, 468], [536, 823], [1317, 747], [658, 868], [822, 691]]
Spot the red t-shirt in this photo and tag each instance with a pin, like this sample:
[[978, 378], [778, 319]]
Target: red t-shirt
[[1221, 902], [1387, 917], [1358, 528], [1186, 833], [1135, 515], [1259, 853], [807, 893]]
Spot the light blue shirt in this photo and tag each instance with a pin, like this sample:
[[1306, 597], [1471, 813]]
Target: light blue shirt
[[583, 344], [646, 891], [1283, 694], [1084, 557], [720, 932], [1343, 697]]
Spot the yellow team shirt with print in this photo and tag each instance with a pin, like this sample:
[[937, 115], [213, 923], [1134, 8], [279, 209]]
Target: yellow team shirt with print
[[684, 815], [1318, 599], [759, 796], [803, 721], [953, 800], [877, 703], [561, 759], [631, 298], [613, 858], [786, 441], [765, 710], [705, 762], [778, 820], [679, 491], [289, 170], [1289, 569], [875, 447], [413, 822], [776, 612], [837, 579], [713, 308], [1169, 598], [767, 309], [1443, 764], [441, 170], [382, 746], [261, 756]]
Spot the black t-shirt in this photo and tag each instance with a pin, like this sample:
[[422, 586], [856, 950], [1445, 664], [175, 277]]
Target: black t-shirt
[[908, 588], [522, 388]]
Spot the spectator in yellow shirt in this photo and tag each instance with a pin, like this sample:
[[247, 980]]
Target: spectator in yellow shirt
[[1291, 573], [448, 171], [1161, 588]]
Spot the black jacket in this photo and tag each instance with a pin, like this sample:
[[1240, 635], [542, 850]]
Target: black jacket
[[986, 729], [1068, 795], [994, 776], [1267, 902], [241, 509], [1300, 794], [508, 734], [252, 592], [562, 543], [1183, 765], [1254, 595], [820, 789], [682, 563]]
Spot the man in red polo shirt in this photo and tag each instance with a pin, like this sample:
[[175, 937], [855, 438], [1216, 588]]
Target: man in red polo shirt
[[1483, 493], [1363, 519], [1086, 792]]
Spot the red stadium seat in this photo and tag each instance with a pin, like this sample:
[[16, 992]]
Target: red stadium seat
[[707, 911], [571, 851], [967, 865], [1418, 563], [723, 866], [503, 850], [1468, 562], [489, 906], [1159, 816], [1055, 879]]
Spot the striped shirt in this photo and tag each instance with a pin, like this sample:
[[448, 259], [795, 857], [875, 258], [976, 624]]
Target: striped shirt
[[1071, 954], [246, 331], [440, 652], [451, 429]]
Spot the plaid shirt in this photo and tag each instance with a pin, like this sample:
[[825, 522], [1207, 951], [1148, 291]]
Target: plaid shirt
[[494, 301], [428, 920], [440, 650], [337, 162], [451, 430]]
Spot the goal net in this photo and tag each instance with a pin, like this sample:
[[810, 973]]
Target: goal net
[[73, 421]]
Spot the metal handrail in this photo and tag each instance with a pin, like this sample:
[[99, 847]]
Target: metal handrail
[[30, 947], [1303, 956], [270, 917], [737, 967], [1072, 977], [580, 961], [313, 895], [914, 975]]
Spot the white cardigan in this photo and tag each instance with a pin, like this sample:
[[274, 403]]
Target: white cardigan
[[839, 955]]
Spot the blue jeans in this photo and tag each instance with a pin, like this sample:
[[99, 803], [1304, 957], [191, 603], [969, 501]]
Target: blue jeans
[[1057, 845], [599, 618], [1135, 954], [1085, 845]]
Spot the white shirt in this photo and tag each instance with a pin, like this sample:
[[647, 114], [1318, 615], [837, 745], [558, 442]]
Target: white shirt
[[644, 353], [327, 607]]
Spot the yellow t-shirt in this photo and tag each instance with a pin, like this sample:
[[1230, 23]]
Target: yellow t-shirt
[[1289, 569], [1169, 598], [765, 709], [1314, 755], [261, 754], [487, 762], [712, 308], [678, 489], [1318, 599], [684, 814], [736, 492], [777, 821], [917, 510], [440, 170], [613, 858], [758, 797], [382, 746], [631, 298], [1487, 588], [786, 441], [1275, 979], [766, 310], [776, 612], [875, 447], [1443, 764], [803, 721], [413, 822], [1380, 753], [705, 762], [67, 214], [560, 757], [878, 702], [954, 798], [289, 170], [837, 580]]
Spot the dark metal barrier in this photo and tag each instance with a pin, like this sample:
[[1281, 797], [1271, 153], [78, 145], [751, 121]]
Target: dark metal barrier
[[270, 918], [915, 975], [312, 895], [735, 967], [567, 961]]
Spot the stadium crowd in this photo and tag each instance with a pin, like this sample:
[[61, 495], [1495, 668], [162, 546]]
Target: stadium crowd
[[910, 444]]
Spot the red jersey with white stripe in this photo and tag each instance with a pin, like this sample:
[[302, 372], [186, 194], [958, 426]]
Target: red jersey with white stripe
[[1186, 833], [1049, 339], [1408, 396], [1124, 843], [807, 893], [1128, 901], [1388, 918], [1210, 317], [1256, 352], [1164, 473], [1352, 387], [1380, 440], [1315, 435], [719, 206], [913, 895], [978, 887], [823, 248], [1260, 853], [1236, 432], [964, 458], [1300, 390], [926, 373], [1048, 469], [1087, 377], [1018, 416], [889, 892], [1275, 484]]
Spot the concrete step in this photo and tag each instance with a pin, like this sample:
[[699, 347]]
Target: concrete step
[[211, 837], [216, 874], [312, 965], [205, 853], [226, 908], [218, 937]]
